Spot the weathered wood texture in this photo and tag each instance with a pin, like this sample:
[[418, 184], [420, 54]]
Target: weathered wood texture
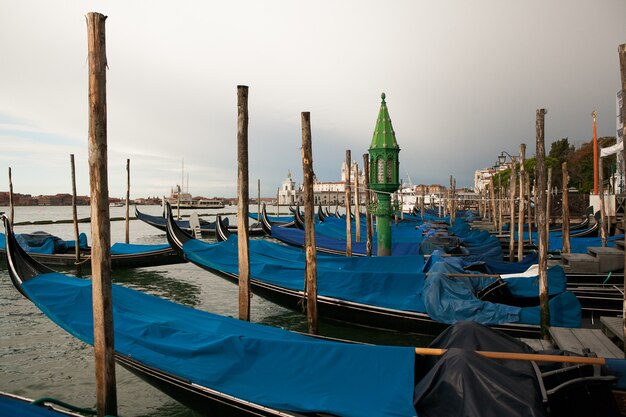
[[601, 197], [512, 189], [106, 395], [127, 228], [621, 50], [11, 208], [242, 203], [357, 211], [368, 200], [75, 218], [540, 174], [348, 205], [566, 242], [309, 221], [520, 215]]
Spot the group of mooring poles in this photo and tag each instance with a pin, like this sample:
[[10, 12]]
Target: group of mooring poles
[[100, 252]]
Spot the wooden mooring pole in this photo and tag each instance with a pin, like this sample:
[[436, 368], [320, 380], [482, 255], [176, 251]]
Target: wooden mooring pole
[[348, 204], [513, 187], [520, 216], [75, 219], [368, 200], [357, 211], [601, 198], [106, 395], [621, 50], [310, 284], [127, 229], [242, 202], [11, 208], [542, 224], [548, 207], [565, 203]]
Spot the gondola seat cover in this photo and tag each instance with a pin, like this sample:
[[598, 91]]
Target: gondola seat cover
[[257, 363]]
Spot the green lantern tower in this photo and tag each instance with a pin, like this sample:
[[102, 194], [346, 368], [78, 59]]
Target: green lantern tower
[[384, 179]]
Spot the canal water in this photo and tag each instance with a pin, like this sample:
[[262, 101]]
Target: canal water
[[37, 358]]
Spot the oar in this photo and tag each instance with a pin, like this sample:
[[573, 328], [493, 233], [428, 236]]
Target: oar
[[616, 365], [524, 356]]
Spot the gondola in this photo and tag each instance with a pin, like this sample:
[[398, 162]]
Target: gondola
[[15, 405], [213, 364], [159, 223], [355, 310], [123, 256], [206, 228]]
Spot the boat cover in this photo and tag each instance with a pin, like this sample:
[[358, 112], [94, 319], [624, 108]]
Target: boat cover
[[473, 385], [11, 407], [132, 248], [44, 243], [349, 280], [237, 357], [449, 299], [295, 236]]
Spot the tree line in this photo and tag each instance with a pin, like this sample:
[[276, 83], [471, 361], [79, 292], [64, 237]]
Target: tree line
[[579, 163]]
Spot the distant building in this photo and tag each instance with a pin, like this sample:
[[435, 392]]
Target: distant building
[[324, 192]]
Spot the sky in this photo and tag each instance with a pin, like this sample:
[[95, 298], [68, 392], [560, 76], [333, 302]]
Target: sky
[[463, 80]]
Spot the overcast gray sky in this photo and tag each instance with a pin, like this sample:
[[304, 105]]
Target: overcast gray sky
[[463, 80]]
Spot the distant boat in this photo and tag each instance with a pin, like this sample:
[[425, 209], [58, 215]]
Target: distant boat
[[186, 201]]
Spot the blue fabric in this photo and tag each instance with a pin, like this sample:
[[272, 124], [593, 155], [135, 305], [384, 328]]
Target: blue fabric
[[41, 242], [295, 237], [617, 367], [449, 300], [132, 248], [262, 364], [82, 242], [10, 407], [343, 278], [273, 219]]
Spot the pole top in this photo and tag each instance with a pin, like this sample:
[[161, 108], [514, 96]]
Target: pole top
[[594, 114]]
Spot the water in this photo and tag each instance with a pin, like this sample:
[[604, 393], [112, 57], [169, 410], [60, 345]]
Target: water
[[37, 358]]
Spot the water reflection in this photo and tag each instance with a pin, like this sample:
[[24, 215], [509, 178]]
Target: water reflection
[[158, 282]]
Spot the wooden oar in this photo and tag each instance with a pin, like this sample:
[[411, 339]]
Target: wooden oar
[[521, 356]]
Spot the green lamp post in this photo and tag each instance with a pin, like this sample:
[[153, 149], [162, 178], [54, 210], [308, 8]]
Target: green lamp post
[[384, 179]]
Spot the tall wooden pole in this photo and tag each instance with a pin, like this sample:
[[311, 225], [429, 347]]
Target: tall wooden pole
[[368, 200], [357, 212], [548, 207], [541, 226], [75, 218], [106, 395], [528, 209], [492, 190], [258, 199], [309, 229], [242, 202], [513, 188], [127, 235], [565, 200], [601, 197], [348, 204], [595, 154], [500, 201], [11, 208], [278, 201], [621, 50], [520, 216]]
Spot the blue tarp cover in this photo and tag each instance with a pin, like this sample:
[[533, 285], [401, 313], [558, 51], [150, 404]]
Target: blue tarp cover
[[348, 280], [45, 243], [132, 248], [10, 407], [296, 237], [261, 364], [450, 300]]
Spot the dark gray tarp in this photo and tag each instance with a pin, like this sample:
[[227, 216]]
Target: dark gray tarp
[[464, 383]]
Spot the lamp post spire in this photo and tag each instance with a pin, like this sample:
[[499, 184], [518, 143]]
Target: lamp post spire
[[384, 177]]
